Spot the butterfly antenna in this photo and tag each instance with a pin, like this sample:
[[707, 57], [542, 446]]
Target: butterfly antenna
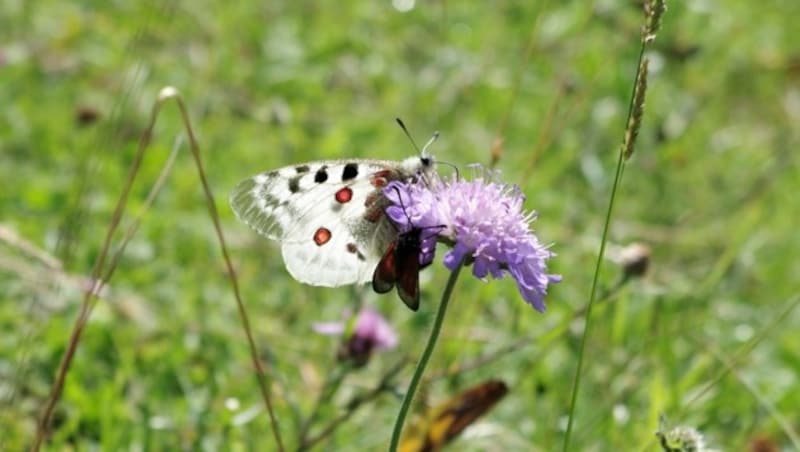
[[405, 130], [402, 205], [455, 168], [424, 151]]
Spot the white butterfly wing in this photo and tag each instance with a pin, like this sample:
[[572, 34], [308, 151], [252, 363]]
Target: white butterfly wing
[[327, 216], [333, 246]]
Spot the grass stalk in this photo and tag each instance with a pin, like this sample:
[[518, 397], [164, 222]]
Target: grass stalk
[[102, 273], [653, 11]]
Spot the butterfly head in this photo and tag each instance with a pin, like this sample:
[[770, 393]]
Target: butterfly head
[[419, 165], [423, 164]]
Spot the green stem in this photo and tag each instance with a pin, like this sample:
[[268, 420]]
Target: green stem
[[426, 355], [599, 264], [330, 388]]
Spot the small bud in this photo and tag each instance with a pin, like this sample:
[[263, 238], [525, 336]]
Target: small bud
[[86, 115], [496, 151], [356, 350], [167, 92], [635, 259]]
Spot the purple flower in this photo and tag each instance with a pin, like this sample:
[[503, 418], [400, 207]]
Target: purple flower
[[371, 332], [486, 225], [413, 206]]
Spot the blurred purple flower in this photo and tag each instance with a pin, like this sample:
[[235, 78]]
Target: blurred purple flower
[[484, 222], [371, 332]]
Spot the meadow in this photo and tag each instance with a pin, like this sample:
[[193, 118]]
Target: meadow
[[537, 90]]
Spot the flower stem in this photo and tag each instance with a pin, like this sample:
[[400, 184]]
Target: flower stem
[[653, 10], [426, 355]]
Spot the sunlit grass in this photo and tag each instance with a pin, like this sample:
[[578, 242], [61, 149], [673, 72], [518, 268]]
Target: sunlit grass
[[164, 362]]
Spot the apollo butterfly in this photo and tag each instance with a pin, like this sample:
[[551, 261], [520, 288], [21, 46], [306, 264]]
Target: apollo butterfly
[[328, 216]]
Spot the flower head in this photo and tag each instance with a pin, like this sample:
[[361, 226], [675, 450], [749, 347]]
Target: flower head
[[486, 225], [680, 438], [371, 332]]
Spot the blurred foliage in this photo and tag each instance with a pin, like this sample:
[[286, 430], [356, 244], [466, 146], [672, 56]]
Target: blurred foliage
[[164, 365]]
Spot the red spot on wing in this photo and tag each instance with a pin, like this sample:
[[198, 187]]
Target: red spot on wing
[[379, 179], [344, 195], [322, 236]]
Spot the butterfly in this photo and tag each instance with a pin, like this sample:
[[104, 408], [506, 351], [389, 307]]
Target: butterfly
[[328, 215], [401, 265], [445, 422]]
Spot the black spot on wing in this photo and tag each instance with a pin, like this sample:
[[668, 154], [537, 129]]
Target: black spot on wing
[[321, 175], [268, 199], [301, 169], [352, 248], [294, 184], [350, 171]]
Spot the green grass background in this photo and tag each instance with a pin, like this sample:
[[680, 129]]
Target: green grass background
[[163, 364]]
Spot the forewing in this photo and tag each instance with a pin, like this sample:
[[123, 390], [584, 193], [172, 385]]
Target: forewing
[[384, 277], [407, 268], [324, 215]]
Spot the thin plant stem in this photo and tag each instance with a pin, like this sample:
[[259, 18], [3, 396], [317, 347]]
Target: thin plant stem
[[496, 150], [356, 402], [634, 112], [729, 366], [426, 355], [732, 368], [262, 376], [332, 384], [593, 293], [89, 295], [100, 277]]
